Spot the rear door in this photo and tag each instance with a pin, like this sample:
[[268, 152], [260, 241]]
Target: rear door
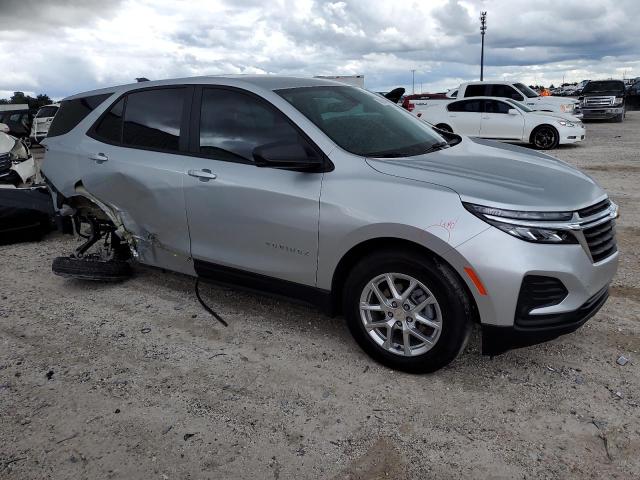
[[465, 116], [133, 162], [497, 122], [241, 217]]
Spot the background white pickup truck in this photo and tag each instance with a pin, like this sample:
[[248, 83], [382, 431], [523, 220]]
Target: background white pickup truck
[[521, 93]]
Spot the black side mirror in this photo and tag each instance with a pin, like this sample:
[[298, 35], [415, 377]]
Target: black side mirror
[[288, 156]]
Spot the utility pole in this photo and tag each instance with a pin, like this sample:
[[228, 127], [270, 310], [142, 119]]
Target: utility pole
[[413, 81], [483, 28]]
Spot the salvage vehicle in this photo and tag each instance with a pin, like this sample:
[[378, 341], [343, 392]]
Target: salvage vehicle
[[42, 121], [632, 100], [504, 119], [521, 93], [19, 220], [603, 99], [18, 118], [333, 195]]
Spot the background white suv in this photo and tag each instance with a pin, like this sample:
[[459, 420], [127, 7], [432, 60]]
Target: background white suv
[[42, 121]]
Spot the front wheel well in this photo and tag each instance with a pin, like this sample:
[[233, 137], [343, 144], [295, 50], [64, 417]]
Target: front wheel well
[[362, 250]]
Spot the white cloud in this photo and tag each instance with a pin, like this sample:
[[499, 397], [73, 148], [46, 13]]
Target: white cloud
[[61, 47]]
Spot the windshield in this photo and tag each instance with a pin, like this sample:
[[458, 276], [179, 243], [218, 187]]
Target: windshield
[[526, 90], [605, 86], [521, 106], [363, 123]]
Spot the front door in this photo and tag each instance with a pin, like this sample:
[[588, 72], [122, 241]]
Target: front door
[[242, 217], [498, 123]]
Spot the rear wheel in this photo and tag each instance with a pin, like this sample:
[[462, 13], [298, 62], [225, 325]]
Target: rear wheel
[[545, 137], [92, 269], [408, 311]]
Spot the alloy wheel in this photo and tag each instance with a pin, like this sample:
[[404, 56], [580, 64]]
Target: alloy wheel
[[400, 314], [544, 138]]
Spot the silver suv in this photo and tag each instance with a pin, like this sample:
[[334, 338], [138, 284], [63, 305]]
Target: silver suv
[[335, 196]]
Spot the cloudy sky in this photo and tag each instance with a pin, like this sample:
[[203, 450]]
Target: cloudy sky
[[62, 47]]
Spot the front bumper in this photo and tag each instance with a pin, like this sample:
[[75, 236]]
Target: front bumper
[[572, 134], [601, 112], [501, 262], [497, 340]]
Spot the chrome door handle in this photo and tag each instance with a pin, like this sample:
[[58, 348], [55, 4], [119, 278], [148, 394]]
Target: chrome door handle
[[204, 174], [99, 157]]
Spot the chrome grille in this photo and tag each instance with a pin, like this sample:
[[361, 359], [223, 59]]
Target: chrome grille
[[601, 240], [598, 101], [598, 230]]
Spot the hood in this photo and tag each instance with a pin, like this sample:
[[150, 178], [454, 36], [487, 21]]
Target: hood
[[556, 100], [500, 175], [556, 116]]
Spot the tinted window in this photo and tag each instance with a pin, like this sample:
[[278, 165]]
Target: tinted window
[[110, 127], [72, 112], [529, 92], [454, 94], [505, 91], [609, 86], [232, 124], [45, 112], [152, 119], [361, 122], [494, 106], [475, 90], [473, 106]]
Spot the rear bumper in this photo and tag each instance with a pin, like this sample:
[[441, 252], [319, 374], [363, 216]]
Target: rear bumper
[[497, 340]]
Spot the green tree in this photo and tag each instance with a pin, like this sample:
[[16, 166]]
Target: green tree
[[33, 102]]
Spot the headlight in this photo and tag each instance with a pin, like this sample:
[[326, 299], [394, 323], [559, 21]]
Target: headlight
[[567, 107], [537, 227], [618, 101], [566, 123]]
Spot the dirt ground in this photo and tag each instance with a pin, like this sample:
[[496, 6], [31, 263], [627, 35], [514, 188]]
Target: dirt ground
[[136, 381]]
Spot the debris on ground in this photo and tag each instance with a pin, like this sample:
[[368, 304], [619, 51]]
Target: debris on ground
[[622, 360]]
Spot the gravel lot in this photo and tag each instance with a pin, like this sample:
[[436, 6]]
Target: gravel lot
[[137, 381]]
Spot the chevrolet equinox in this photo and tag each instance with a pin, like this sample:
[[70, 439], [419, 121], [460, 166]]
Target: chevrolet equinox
[[335, 196]]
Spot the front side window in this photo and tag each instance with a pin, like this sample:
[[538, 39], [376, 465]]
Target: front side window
[[529, 92], [504, 91], [495, 106], [152, 119], [233, 124], [362, 123], [471, 106]]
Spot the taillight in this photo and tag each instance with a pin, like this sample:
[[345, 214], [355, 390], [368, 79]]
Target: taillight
[[410, 106]]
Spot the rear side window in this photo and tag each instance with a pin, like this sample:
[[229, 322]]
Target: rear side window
[[110, 127], [72, 112], [152, 119], [475, 90], [46, 112], [232, 124], [473, 106]]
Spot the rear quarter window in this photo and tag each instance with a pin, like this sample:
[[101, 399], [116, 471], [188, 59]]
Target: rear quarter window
[[72, 112]]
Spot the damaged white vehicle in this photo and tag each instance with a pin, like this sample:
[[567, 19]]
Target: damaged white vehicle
[[25, 205]]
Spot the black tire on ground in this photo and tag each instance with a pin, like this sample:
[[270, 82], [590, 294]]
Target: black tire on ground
[[445, 127], [455, 305], [545, 137], [94, 270], [619, 118]]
